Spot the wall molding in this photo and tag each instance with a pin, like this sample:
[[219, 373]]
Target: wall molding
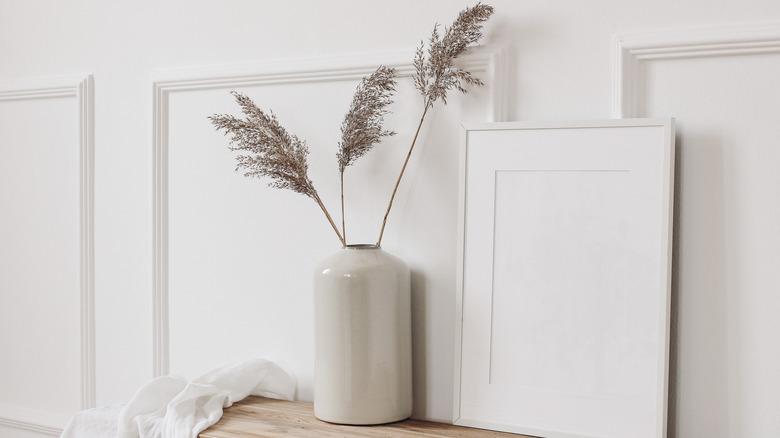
[[82, 88], [45, 423], [630, 50], [490, 63], [31, 427]]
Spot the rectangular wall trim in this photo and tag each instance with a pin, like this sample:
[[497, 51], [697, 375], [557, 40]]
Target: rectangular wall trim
[[82, 88], [631, 49], [492, 64]]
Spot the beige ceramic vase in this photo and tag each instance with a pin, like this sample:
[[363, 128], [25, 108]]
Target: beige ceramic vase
[[363, 369]]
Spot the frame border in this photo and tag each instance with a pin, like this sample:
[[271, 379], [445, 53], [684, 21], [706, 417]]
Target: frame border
[[667, 230]]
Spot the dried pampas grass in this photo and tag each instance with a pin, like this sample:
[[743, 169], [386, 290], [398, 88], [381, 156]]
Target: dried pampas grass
[[272, 151], [362, 127], [267, 150], [436, 73]]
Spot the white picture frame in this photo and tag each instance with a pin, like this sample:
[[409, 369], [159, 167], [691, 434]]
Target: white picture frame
[[569, 336]]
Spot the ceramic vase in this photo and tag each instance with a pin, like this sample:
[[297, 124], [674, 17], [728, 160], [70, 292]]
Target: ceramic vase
[[363, 363]]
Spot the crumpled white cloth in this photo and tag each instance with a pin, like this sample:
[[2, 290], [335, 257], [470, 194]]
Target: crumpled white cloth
[[93, 423], [170, 407]]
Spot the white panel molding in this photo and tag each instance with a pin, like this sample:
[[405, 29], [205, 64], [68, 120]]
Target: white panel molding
[[492, 64], [31, 427], [632, 49], [82, 88], [45, 423]]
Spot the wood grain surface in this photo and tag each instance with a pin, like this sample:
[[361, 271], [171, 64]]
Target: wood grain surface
[[267, 418]]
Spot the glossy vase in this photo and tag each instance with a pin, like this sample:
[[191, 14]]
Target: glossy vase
[[363, 364]]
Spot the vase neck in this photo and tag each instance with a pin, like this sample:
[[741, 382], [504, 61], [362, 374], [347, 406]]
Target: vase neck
[[362, 246]]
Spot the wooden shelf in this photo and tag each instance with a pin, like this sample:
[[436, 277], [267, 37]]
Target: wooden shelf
[[267, 418]]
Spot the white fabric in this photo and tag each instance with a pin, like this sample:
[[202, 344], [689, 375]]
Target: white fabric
[[93, 423], [169, 407]]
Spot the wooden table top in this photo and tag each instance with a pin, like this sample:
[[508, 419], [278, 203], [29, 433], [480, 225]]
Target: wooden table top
[[267, 418]]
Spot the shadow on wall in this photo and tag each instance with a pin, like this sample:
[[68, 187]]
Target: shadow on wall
[[672, 396], [699, 290], [419, 366]]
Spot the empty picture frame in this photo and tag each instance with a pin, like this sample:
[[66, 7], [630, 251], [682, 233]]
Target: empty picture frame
[[564, 280]]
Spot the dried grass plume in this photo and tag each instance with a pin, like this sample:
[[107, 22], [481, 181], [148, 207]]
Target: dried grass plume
[[435, 74], [362, 127], [269, 151]]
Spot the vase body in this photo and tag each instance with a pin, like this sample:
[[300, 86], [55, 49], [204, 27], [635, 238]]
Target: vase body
[[363, 365]]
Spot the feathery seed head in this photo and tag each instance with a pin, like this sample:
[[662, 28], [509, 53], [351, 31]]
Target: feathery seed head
[[362, 127]]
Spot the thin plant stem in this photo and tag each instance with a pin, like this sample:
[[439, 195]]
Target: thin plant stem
[[428, 105], [317, 199], [343, 226]]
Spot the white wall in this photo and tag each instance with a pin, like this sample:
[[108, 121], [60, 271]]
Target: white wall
[[725, 350]]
